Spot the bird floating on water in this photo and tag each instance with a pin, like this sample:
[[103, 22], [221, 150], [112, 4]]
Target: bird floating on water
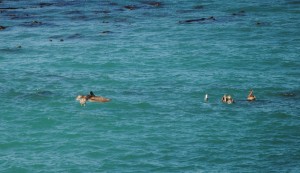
[[90, 97]]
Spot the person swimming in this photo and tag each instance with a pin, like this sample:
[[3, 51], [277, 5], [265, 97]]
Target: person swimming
[[251, 96]]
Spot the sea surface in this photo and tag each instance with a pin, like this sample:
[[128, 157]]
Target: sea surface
[[155, 60]]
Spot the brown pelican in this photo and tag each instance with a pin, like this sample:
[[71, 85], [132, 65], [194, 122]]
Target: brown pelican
[[91, 97]]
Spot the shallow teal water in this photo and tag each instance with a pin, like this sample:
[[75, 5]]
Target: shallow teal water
[[156, 68]]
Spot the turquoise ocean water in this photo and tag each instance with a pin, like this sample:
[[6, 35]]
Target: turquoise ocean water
[[156, 61]]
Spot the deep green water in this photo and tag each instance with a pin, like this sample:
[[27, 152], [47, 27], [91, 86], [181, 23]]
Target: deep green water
[[156, 67]]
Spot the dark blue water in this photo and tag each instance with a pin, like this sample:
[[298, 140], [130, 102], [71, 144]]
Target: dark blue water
[[155, 61]]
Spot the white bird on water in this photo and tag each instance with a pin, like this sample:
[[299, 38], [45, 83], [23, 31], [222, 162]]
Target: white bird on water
[[206, 97]]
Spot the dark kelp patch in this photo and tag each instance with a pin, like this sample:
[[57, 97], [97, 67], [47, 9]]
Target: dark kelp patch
[[194, 9], [153, 3], [198, 7], [131, 7], [258, 23], [45, 4], [102, 12], [15, 49], [199, 20], [33, 23], [240, 13], [288, 94], [294, 3], [72, 12], [106, 32], [3, 28], [19, 16], [10, 8], [75, 36], [79, 17]]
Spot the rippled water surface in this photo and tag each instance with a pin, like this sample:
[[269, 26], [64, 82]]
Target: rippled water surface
[[155, 60]]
